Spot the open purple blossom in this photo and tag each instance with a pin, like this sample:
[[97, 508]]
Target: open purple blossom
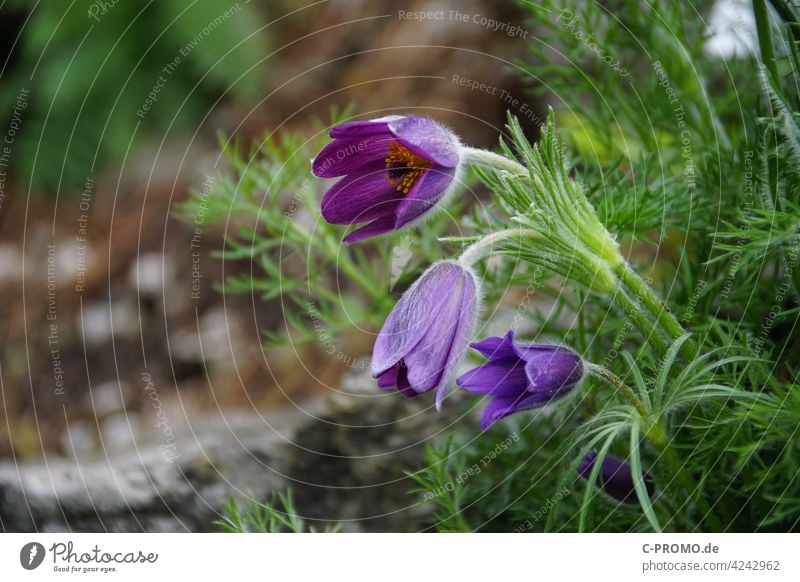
[[615, 477], [427, 332], [521, 376], [395, 168]]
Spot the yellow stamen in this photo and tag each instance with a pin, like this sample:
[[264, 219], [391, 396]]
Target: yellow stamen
[[404, 167]]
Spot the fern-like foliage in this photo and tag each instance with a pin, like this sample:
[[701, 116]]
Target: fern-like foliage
[[292, 258], [278, 515]]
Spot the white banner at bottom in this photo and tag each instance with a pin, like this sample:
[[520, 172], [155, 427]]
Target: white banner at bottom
[[401, 557]]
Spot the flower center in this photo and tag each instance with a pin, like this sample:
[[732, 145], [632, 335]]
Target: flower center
[[404, 167]]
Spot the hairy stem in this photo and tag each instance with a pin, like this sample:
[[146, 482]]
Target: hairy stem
[[492, 160], [484, 246], [787, 13], [664, 318], [765, 37], [691, 488], [657, 436], [616, 382], [640, 320]]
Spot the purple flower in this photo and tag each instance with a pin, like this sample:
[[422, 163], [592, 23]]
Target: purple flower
[[427, 332], [395, 169], [521, 376], [615, 477]]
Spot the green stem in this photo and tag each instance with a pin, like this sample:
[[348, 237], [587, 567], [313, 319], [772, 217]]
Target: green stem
[[492, 160], [676, 468], [616, 382], [580, 310], [640, 319], [657, 436], [784, 10], [664, 318], [789, 16], [485, 246], [765, 38]]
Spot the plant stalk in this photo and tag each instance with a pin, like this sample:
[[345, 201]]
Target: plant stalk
[[492, 160], [664, 318], [640, 319], [765, 38], [484, 246], [657, 436], [676, 467], [616, 382]]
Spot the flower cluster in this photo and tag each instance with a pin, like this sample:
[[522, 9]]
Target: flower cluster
[[394, 171]]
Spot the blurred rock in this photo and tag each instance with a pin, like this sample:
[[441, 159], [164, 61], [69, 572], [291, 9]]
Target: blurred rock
[[152, 273], [345, 456], [79, 438], [142, 489], [352, 465], [220, 338], [10, 260], [100, 321], [119, 431], [108, 397]]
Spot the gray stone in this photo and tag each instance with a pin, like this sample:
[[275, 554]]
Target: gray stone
[[345, 457]]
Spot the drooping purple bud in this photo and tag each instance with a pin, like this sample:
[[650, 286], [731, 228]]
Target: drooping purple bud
[[521, 376], [395, 168], [615, 477], [427, 332]]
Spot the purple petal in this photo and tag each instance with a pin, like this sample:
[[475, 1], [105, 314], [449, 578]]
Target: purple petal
[[345, 156], [501, 378], [424, 195], [364, 128], [374, 228], [550, 373], [501, 407], [526, 351], [428, 139], [358, 198], [495, 347], [388, 380], [428, 360], [396, 378], [585, 466], [405, 389], [412, 316], [615, 477], [463, 334], [554, 371]]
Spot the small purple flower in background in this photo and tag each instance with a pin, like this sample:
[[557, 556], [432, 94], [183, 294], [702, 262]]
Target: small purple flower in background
[[615, 477], [427, 332], [395, 169], [521, 376]]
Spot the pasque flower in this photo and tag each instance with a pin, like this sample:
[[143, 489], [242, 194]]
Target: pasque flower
[[615, 477], [521, 376], [427, 332], [395, 168]]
